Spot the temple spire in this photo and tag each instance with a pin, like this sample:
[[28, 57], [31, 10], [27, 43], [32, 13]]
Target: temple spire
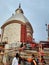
[[19, 10], [19, 5]]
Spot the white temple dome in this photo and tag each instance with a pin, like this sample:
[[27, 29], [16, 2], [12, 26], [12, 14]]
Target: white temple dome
[[19, 15]]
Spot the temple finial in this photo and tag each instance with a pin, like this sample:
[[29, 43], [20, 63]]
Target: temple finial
[[19, 5], [19, 9]]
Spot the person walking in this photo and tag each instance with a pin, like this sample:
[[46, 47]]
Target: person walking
[[33, 62], [15, 59], [43, 60]]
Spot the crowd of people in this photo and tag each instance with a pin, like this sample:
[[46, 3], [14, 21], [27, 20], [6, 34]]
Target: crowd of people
[[33, 61], [17, 60]]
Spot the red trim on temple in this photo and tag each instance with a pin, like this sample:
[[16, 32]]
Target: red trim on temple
[[23, 33], [29, 38]]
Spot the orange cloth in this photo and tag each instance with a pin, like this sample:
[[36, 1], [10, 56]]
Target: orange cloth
[[29, 59]]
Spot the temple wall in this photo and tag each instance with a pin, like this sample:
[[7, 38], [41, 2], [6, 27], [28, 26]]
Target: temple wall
[[12, 33]]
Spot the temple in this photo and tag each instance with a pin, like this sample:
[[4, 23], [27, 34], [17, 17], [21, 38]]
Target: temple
[[16, 30]]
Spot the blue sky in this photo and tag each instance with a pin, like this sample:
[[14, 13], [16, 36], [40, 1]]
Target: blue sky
[[36, 11]]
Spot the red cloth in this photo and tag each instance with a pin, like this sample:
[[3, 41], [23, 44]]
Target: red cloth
[[18, 64]]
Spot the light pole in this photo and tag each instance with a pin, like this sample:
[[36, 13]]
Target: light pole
[[47, 29]]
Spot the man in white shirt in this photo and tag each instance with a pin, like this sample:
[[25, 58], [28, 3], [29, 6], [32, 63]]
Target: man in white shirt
[[15, 59]]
